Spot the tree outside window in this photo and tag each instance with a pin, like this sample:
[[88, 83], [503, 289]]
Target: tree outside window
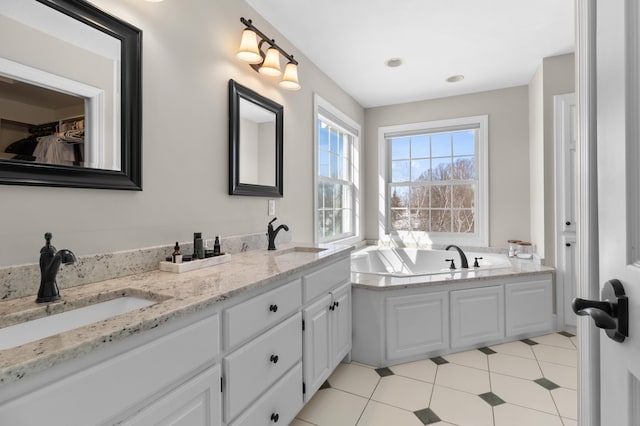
[[433, 182]]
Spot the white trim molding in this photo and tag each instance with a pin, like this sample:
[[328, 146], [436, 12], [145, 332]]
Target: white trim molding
[[419, 238], [341, 120], [587, 213]]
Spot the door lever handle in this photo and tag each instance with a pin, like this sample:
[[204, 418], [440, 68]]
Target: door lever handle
[[610, 314], [601, 318]]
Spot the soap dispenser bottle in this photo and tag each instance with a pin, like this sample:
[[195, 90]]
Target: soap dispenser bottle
[[216, 246]]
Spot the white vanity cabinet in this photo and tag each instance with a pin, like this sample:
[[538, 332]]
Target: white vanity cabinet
[[141, 384], [282, 344], [327, 324], [242, 360]]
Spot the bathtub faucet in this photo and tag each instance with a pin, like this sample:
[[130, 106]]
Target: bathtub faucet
[[463, 257]]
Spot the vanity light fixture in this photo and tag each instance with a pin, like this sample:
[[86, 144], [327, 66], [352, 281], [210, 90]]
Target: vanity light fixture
[[267, 63]]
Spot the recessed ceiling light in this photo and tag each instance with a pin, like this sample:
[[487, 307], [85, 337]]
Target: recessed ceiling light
[[394, 62], [455, 78]]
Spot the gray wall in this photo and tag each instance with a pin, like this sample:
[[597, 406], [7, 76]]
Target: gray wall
[[508, 154], [555, 76], [188, 57]]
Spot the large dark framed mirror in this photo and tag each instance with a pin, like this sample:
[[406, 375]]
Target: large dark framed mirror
[[75, 73], [255, 143]]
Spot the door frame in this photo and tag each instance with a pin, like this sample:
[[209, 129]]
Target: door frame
[[588, 282]]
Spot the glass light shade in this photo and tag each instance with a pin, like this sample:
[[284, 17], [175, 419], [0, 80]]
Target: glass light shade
[[248, 50], [290, 77], [271, 64]]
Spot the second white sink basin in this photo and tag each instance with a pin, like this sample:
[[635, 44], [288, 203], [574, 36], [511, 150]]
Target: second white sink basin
[[300, 249], [19, 334]]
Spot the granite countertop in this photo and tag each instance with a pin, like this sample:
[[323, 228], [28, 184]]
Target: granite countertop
[[177, 295], [519, 267]]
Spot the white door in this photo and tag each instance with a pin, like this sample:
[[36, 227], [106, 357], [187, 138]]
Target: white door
[[618, 123], [565, 140]]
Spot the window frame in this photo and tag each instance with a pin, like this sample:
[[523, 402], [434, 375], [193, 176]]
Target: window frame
[[336, 118], [480, 238]]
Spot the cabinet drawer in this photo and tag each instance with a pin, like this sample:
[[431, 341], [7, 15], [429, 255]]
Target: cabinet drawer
[[258, 313], [194, 403], [250, 370], [94, 395], [280, 404], [321, 281]]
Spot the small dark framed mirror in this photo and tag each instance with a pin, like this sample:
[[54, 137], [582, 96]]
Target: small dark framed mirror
[[255, 143], [80, 118]]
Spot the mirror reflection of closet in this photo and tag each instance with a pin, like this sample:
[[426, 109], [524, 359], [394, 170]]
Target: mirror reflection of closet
[[67, 66], [41, 125]]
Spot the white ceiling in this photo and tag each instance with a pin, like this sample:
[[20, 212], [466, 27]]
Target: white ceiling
[[493, 43]]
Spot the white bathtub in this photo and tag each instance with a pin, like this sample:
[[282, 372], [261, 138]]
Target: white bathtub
[[407, 262]]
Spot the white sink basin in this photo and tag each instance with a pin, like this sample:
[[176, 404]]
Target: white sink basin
[[30, 331], [301, 249]]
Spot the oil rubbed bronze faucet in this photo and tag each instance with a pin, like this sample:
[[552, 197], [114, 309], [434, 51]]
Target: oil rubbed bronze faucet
[[463, 257], [50, 261], [271, 233]]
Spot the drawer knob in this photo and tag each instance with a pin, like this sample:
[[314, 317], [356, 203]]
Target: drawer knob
[[273, 308], [337, 304], [275, 417], [274, 359]]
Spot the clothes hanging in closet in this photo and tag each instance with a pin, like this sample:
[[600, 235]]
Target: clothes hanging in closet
[[53, 150]]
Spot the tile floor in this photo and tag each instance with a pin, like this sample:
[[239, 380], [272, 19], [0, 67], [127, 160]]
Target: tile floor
[[531, 382]]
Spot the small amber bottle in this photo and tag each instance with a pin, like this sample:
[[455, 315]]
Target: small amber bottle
[[177, 257]]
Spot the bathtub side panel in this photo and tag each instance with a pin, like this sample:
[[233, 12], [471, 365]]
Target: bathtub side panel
[[368, 327]]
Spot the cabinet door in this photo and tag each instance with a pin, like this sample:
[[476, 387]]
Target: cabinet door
[[477, 316], [195, 403], [416, 324], [316, 355], [529, 307], [340, 323]]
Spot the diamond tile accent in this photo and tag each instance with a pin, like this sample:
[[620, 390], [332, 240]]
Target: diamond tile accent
[[487, 351], [439, 360], [566, 334], [529, 342], [384, 372], [492, 399], [427, 416], [546, 383], [325, 385]]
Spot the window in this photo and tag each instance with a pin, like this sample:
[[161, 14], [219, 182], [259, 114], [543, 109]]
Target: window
[[336, 175], [436, 180]]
